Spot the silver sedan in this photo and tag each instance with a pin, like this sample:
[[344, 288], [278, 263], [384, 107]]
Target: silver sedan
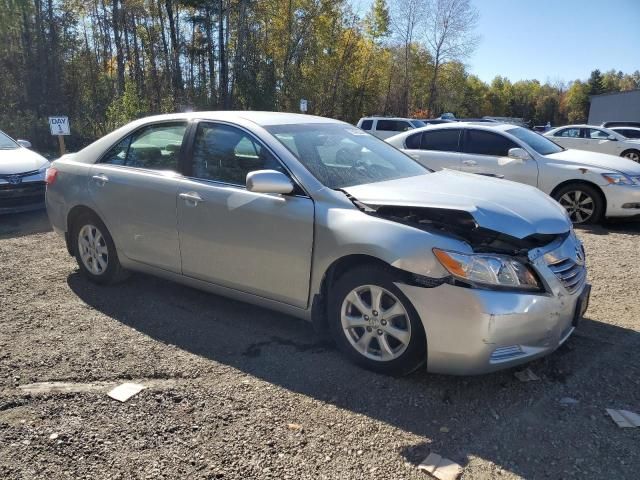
[[318, 219]]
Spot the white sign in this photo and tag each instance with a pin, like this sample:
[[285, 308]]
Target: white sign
[[59, 126], [303, 105]]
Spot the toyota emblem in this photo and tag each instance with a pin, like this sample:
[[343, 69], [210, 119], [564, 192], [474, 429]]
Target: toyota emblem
[[14, 180]]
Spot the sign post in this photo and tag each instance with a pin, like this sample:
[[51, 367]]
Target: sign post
[[60, 127], [303, 105]]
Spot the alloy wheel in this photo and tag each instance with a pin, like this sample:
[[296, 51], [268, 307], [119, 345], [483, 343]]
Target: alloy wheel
[[93, 249], [635, 156], [579, 205], [376, 323]]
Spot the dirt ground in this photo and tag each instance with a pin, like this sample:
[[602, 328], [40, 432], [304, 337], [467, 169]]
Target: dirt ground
[[239, 392]]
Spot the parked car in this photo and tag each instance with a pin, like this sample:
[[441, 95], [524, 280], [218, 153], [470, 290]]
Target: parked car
[[384, 127], [589, 185], [627, 132], [595, 139], [620, 124], [435, 121], [315, 218], [21, 176]]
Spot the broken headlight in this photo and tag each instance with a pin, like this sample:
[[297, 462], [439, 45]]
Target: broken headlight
[[488, 270]]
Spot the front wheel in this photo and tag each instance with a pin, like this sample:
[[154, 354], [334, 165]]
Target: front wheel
[[583, 203], [374, 324], [632, 155]]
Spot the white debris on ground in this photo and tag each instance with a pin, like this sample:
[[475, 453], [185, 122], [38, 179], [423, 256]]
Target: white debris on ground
[[624, 418], [568, 401], [124, 392], [526, 375], [440, 467]]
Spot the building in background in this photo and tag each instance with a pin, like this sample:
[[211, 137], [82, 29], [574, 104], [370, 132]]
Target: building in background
[[617, 106]]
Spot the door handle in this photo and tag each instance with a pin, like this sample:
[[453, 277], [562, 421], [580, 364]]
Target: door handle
[[191, 198], [469, 162], [100, 179]]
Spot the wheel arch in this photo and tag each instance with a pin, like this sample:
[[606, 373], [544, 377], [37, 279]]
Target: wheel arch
[[581, 182], [628, 150], [72, 216]]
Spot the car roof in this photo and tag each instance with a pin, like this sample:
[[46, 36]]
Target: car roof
[[623, 127], [259, 118], [388, 118], [478, 125]]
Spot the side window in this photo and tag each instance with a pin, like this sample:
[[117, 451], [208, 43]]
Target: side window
[[413, 141], [569, 132], [156, 147], [480, 142], [366, 124], [445, 140], [393, 125], [227, 154], [598, 134]]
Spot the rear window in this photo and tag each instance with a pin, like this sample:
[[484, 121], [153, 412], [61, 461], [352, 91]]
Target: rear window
[[393, 125], [366, 125], [445, 140], [480, 142]]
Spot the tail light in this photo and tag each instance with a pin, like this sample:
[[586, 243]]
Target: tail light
[[50, 176]]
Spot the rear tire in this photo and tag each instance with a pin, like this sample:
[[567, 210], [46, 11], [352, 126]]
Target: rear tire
[[583, 203], [633, 155], [95, 251], [374, 323]]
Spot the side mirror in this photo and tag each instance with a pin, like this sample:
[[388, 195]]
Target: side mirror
[[612, 138], [269, 181], [24, 143], [519, 154]]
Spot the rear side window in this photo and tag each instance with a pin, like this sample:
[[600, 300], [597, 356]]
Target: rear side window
[[393, 125], [366, 124], [480, 142], [445, 140], [568, 132], [596, 134], [156, 147], [413, 141], [629, 133]]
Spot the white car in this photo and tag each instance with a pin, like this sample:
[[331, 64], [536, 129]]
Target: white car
[[627, 132], [595, 139], [589, 185], [22, 172], [385, 127]]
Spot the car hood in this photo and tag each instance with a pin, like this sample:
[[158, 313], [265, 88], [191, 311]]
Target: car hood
[[20, 160], [500, 205], [599, 160]]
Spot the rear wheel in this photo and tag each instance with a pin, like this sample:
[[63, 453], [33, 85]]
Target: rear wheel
[[583, 203], [631, 155], [374, 324], [95, 251]]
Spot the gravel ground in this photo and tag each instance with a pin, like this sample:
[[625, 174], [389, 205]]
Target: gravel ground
[[240, 392]]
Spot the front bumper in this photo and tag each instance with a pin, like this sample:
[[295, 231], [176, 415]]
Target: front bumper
[[23, 197], [619, 197], [472, 331]]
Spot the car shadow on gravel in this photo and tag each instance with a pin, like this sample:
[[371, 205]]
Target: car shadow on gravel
[[15, 225], [519, 427], [626, 227]]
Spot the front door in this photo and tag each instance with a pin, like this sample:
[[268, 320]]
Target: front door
[[134, 188], [253, 242]]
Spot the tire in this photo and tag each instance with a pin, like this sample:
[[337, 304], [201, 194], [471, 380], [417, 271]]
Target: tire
[[581, 210], [633, 155], [403, 354], [92, 240]]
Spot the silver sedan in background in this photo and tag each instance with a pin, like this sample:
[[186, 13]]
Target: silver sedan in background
[[318, 219]]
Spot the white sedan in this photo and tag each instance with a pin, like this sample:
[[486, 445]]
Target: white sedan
[[596, 139], [22, 174], [589, 185]]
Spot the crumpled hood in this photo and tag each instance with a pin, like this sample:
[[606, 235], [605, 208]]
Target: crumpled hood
[[599, 160], [20, 160], [500, 205]]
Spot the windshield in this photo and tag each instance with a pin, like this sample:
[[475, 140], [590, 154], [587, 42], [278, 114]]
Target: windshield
[[418, 123], [540, 144], [6, 142], [343, 156]]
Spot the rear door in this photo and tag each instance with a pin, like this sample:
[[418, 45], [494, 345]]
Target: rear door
[[134, 189], [253, 242], [436, 149], [487, 153]]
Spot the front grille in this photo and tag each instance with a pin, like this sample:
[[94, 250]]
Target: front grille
[[570, 273], [6, 176], [21, 195]]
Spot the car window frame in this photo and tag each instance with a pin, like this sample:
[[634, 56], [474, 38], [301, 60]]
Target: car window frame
[[134, 132], [298, 190], [582, 133], [459, 146], [498, 134]]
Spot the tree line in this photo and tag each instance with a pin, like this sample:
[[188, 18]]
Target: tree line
[[106, 62]]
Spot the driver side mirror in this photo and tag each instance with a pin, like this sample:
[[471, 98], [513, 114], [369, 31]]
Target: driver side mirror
[[519, 154], [612, 138], [269, 181], [24, 143]]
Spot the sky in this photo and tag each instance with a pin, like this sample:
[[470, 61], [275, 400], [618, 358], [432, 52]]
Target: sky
[[552, 40]]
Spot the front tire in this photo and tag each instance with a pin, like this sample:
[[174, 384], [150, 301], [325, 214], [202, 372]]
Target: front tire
[[95, 251], [374, 323], [633, 155], [583, 203]]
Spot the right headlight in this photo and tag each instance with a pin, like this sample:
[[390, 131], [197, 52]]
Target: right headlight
[[621, 179], [488, 270]]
